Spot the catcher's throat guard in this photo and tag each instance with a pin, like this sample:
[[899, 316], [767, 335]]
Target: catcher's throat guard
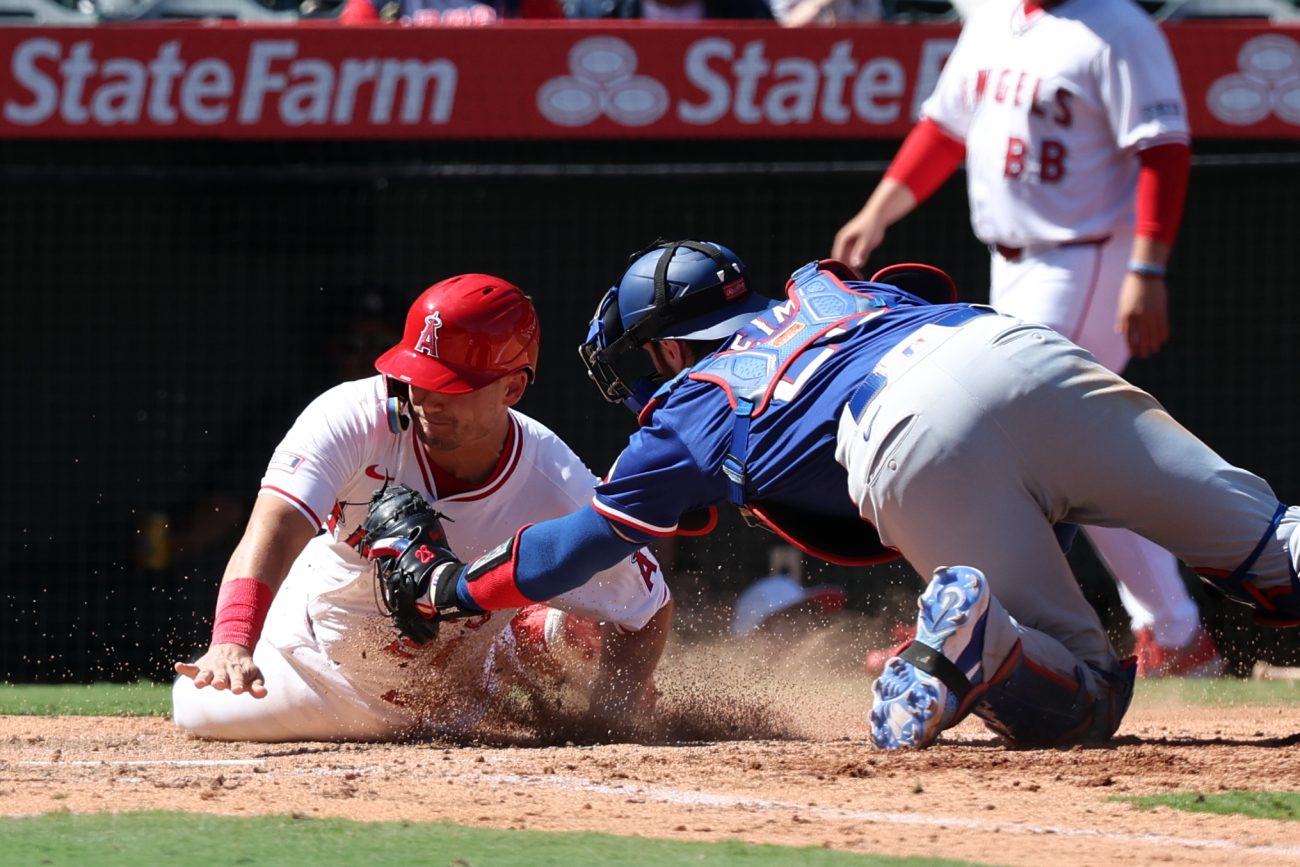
[[622, 375]]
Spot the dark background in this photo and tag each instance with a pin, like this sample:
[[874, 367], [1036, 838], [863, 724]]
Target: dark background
[[170, 307]]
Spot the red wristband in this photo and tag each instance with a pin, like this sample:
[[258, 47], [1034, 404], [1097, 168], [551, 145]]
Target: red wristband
[[242, 604], [490, 579]]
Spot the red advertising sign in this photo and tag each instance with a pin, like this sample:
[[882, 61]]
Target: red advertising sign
[[539, 81]]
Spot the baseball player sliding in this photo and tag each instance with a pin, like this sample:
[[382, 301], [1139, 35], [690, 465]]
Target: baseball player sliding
[[300, 649], [1072, 124], [859, 421]]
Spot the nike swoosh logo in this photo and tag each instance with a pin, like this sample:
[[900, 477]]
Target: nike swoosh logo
[[866, 432]]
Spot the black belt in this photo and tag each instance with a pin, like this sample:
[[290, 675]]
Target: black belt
[[875, 381], [1011, 254]]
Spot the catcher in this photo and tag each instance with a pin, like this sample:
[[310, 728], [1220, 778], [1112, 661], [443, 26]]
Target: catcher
[[310, 642]]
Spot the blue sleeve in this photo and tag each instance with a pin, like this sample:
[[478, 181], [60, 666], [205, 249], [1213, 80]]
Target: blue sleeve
[[671, 466], [557, 556]]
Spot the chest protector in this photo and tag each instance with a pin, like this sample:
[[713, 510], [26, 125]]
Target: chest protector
[[774, 346]]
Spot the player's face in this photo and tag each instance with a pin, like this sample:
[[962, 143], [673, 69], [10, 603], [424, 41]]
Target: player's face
[[448, 422], [667, 357]]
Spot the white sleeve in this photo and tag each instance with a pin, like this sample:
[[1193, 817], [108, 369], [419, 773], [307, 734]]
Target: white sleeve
[[1140, 89], [627, 595], [320, 453]]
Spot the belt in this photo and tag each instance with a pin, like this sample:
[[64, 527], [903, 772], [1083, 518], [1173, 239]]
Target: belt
[[876, 380], [1011, 254]]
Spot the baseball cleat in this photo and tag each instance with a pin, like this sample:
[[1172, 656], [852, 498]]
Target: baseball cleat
[[911, 702], [1199, 658]]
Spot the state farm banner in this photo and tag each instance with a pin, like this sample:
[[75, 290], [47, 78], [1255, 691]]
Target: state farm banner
[[538, 81]]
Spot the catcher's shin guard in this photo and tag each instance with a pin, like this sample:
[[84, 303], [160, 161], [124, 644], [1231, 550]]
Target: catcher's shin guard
[[1030, 706], [1276, 602]]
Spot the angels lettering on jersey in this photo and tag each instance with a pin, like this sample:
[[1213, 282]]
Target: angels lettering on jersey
[[1017, 88]]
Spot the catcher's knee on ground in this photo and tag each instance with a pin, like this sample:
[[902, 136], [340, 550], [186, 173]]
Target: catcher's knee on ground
[[1032, 706]]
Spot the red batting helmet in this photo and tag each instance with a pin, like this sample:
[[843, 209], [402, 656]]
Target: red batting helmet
[[463, 333]]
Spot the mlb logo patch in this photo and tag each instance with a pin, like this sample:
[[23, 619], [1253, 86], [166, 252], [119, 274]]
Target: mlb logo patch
[[286, 462]]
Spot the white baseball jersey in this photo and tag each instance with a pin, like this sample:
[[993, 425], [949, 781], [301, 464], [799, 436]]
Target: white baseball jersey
[[333, 667], [1052, 108]]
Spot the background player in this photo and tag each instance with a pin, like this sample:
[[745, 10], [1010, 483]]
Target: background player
[[439, 420], [950, 429], [1072, 123]]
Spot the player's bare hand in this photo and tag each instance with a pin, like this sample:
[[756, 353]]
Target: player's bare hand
[[1143, 315], [858, 238], [226, 666]]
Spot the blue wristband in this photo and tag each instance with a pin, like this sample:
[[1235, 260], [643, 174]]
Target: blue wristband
[[1146, 269]]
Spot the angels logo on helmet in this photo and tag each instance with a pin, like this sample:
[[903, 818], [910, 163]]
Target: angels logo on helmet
[[428, 341]]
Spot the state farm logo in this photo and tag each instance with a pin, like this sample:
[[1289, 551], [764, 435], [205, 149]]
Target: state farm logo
[[1268, 83], [601, 82], [90, 82]]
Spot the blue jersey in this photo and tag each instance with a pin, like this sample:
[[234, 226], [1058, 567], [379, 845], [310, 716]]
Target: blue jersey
[[678, 462]]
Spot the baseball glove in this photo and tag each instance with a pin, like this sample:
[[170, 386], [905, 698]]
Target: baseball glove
[[402, 534]]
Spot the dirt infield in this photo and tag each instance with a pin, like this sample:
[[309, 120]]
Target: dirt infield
[[787, 765]]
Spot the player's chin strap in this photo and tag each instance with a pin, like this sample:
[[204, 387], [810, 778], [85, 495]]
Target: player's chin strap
[[395, 406], [398, 421]]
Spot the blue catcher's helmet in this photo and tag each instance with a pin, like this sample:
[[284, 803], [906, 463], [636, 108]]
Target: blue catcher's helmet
[[691, 290]]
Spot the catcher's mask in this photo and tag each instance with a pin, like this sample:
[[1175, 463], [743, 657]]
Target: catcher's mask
[[463, 333], [693, 290]]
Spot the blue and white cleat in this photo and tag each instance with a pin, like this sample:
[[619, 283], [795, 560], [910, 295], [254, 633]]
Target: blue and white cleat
[[932, 683]]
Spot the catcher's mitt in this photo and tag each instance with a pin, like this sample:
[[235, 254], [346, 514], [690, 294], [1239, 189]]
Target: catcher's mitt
[[403, 535]]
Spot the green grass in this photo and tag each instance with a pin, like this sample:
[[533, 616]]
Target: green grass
[[1257, 805], [154, 699], [1223, 692], [100, 699], [179, 840]]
